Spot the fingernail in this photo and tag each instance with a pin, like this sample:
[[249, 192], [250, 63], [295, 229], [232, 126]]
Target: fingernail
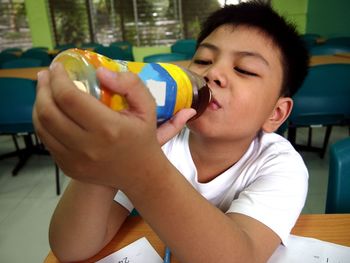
[[39, 75], [54, 65], [107, 73]]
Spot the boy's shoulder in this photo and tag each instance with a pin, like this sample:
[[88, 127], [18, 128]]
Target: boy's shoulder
[[273, 149]]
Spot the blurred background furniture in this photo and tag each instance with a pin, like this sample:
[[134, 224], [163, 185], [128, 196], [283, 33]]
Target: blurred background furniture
[[338, 193], [22, 63], [310, 39], [38, 48], [165, 57], [322, 100], [126, 46], [182, 49], [112, 52], [344, 41], [90, 45], [6, 56], [17, 97], [329, 49], [12, 50], [39, 54], [184, 46], [62, 47]]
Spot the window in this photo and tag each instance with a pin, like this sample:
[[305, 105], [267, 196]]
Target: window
[[141, 22], [70, 21], [14, 29]]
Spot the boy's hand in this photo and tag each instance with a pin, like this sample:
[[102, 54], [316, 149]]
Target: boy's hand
[[89, 141], [169, 129]]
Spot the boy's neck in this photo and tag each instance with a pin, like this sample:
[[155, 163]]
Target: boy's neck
[[212, 157]]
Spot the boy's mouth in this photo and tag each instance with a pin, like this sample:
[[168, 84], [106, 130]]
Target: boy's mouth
[[214, 104]]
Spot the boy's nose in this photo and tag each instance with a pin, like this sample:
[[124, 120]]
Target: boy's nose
[[216, 81], [216, 76]]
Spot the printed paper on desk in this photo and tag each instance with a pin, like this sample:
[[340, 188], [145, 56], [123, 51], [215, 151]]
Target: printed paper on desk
[[140, 251], [310, 250]]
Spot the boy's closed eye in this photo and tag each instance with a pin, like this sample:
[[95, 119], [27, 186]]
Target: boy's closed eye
[[245, 72], [201, 62], [240, 70]]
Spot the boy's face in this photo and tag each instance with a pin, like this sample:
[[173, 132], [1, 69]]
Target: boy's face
[[244, 71]]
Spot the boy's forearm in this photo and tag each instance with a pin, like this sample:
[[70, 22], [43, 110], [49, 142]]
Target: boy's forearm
[[195, 230], [80, 225]]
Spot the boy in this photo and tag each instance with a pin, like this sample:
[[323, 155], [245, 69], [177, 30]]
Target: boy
[[225, 186]]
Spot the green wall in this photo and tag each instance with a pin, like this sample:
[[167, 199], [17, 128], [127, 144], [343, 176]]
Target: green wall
[[294, 11], [39, 23], [329, 18]]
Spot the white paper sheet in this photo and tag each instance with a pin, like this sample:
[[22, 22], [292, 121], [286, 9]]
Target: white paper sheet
[[140, 251], [310, 250]]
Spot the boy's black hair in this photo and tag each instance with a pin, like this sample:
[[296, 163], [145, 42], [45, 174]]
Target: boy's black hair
[[295, 57]]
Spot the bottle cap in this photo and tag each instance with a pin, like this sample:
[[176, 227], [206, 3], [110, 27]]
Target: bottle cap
[[201, 93]]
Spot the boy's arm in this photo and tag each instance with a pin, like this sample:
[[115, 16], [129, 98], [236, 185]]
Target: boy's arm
[[195, 230], [85, 220], [125, 148], [86, 217]]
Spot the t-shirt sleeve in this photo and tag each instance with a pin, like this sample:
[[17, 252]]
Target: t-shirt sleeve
[[123, 200], [277, 195]]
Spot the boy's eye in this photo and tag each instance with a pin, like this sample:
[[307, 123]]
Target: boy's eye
[[201, 62], [245, 72]]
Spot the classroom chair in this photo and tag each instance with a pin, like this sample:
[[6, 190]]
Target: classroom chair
[[344, 41], [338, 194], [126, 46], [41, 55], [12, 50], [22, 63], [329, 49], [322, 100], [112, 52], [62, 47], [4, 57], [37, 48], [165, 57], [185, 46], [310, 39], [90, 45], [17, 97]]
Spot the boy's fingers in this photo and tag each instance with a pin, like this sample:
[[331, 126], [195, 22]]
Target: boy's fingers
[[48, 118], [170, 128], [128, 85], [82, 108]]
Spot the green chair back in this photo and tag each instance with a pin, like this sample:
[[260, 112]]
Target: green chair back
[[165, 57], [344, 41], [324, 96], [329, 49], [41, 55], [338, 193], [126, 46], [185, 46], [112, 52], [22, 63], [322, 100], [17, 97], [5, 56]]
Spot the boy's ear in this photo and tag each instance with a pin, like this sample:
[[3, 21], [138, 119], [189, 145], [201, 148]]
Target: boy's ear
[[279, 114]]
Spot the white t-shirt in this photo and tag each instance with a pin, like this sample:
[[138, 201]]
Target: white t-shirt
[[269, 183]]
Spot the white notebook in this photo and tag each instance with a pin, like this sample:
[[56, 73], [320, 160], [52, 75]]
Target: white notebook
[[140, 251]]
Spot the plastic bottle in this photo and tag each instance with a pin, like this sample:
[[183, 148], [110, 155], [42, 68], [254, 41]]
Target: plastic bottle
[[173, 87]]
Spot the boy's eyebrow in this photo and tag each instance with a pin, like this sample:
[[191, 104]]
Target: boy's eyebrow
[[209, 46], [239, 53], [252, 54]]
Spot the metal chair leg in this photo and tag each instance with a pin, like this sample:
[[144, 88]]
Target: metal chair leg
[[58, 185], [326, 140]]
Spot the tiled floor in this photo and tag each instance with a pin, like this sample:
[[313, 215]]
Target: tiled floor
[[27, 200]]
